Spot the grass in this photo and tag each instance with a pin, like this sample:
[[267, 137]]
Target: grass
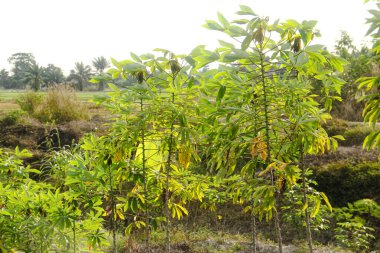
[[8, 100], [11, 95]]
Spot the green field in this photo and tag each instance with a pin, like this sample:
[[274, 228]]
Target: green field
[[11, 95], [8, 98]]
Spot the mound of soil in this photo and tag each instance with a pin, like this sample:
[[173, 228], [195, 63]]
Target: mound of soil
[[38, 138]]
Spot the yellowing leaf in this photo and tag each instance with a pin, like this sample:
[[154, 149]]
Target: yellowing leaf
[[184, 156], [259, 148]]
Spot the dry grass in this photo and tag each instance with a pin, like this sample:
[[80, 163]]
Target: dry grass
[[6, 107], [59, 105]]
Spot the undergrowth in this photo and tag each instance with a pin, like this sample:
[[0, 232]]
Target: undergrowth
[[59, 105]]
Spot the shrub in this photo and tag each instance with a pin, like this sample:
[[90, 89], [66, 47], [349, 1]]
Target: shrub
[[356, 135], [59, 105], [11, 118], [345, 182], [336, 127], [29, 101]]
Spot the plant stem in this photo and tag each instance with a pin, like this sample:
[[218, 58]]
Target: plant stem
[[305, 202], [267, 162], [74, 235], [254, 233], [168, 165], [147, 232], [113, 206]]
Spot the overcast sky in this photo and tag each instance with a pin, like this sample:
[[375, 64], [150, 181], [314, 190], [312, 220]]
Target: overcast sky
[[62, 32]]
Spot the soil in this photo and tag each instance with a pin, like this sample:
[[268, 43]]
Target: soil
[[38, 138]]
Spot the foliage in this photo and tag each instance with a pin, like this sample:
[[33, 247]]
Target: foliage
[[52, 75], [34, 214], [30, 102], [21, 63], [184, 131], [100, 64], [33, 76], [371, 84], [359, 64], [353, 229], [11, 118], [59, 105], [80, 75], [360, 181], [5, 79]]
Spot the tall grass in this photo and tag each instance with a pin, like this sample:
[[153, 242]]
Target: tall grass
[[60, 104]]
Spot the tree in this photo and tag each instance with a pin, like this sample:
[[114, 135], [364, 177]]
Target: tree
[[5, 79], [53, 75], [80, 75], [100, 64], [359, 64], [371, 84], [33, 76], [21, 63]]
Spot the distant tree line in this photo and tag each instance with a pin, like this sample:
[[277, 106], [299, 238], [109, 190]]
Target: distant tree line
[[27, 73]]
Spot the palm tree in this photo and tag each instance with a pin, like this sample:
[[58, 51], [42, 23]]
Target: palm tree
[[53, 75], [100, 64], [80, 75], [33, 76]]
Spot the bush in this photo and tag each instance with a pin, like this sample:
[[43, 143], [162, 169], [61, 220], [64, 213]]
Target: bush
[[29, 101], [356, 135], [346, 183], [12, 118], [59, 105]]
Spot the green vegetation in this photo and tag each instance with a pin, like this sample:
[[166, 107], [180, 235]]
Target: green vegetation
[[190, 134], [59, 105], [360, 181]]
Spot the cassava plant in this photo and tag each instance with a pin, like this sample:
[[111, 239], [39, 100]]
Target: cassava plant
[[155, 133], [262, 78]]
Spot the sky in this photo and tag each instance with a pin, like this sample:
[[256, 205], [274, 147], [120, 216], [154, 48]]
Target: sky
[[63, 32]]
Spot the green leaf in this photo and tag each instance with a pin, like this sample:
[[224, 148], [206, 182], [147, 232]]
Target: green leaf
[[226, 44], [339, 137], [113, 87], [135, 57], [302, 59], [236, 31], [191, 61], [128, 229], [310, 24], [245, 10], [223, 20], [241, 21], [338, 63], [313, 48], [219, 97], [247, 41], [293, 23], [213, 25]]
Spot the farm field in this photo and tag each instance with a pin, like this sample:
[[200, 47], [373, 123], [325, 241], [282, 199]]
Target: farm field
[[8, 99], [267, 143]]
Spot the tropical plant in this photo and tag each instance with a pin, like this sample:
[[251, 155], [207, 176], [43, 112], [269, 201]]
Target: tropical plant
[[21, 63], [80, 75], [264, 108], [53, 75], [100, 64], [33, 76]]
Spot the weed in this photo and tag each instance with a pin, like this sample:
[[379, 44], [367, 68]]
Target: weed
[[11, 118], [59, 105]]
